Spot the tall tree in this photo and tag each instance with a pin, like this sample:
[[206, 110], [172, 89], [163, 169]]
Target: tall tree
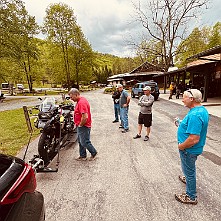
[[167, 22], [60, 26], [82, 57], [17, 29]]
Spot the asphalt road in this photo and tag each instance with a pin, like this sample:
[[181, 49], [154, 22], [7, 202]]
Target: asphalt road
[[131, 179], [15, 102]]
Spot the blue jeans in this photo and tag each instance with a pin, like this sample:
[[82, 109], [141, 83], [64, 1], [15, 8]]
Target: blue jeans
[[84, 141], [188, 164], [116, 111], [124, 117]]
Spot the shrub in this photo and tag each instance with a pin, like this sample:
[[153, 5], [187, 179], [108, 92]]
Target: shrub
[[108, 90]]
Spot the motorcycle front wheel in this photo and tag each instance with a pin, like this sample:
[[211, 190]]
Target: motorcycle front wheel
[[47, 147]]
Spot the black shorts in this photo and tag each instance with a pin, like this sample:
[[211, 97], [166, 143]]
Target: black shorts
[[145, 119]]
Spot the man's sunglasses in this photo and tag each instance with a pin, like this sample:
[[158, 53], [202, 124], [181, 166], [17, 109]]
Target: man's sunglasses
[[190, 92]]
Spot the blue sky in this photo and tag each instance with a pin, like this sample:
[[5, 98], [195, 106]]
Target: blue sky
[[108, 24]]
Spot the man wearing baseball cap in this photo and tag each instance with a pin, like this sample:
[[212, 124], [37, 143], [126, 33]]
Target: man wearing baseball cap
[[191, 138], [145, 115], [124, 107]]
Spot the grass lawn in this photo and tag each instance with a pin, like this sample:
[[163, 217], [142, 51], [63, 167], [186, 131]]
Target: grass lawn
[[42, 93], [14, 133]]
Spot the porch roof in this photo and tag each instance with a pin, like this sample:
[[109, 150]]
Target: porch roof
[[211, 51]]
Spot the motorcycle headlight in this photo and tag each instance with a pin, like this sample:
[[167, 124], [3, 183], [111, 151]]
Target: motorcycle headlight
[[44, 115], [61, 119]]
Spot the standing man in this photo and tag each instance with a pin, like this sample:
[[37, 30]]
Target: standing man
[[145, 115], [179, 90], [116, 97], [82, 119], [191, 136], [124, 106], [172, 86]]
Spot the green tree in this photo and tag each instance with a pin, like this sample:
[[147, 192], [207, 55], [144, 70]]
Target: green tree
[[17, 29], [195, 43], [215, 37], [82, 57], [60, 26]]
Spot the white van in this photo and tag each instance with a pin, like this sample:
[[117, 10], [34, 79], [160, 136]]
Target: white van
[[20, 87]]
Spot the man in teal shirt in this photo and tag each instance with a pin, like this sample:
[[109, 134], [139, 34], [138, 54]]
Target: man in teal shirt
[[191, 136]]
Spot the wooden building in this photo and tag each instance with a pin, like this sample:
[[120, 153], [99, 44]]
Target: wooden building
[[204, 73], [144, 72]]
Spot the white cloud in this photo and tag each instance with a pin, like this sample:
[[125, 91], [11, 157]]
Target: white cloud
[[105, 23]]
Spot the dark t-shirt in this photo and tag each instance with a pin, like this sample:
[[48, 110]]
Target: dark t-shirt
[[116, 97]]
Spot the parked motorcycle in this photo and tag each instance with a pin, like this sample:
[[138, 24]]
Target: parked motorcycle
[[19, 200], [57, 125], [44, 109]]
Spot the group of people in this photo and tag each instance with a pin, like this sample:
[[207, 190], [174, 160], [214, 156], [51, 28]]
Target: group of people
[[191, 133], [121, 100], [176, 89]]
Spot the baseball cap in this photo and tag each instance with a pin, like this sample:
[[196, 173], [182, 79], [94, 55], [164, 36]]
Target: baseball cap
[[119, 85], [196, 94], [147, 88]]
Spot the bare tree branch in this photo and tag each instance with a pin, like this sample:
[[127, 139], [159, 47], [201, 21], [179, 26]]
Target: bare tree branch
[[167, 22]]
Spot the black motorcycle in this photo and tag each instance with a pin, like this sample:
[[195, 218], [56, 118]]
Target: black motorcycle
[[57, 126]]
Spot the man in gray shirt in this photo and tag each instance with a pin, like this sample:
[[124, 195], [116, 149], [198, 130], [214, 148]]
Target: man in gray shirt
[[145, 115], [124, 107]]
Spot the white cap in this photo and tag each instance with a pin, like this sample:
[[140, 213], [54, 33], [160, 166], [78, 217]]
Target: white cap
[[119, 85], [147, 88], [196, 94]]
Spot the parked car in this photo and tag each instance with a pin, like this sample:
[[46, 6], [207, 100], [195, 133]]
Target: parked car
[[5, 88], [19, 200], [109, 86], [137, 90], [20, 86]]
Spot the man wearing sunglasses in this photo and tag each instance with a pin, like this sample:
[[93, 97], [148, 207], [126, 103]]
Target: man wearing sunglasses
[[191, 137]]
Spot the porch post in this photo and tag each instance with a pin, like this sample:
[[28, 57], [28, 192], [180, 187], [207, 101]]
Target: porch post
[[165, 84], [206, 86]]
